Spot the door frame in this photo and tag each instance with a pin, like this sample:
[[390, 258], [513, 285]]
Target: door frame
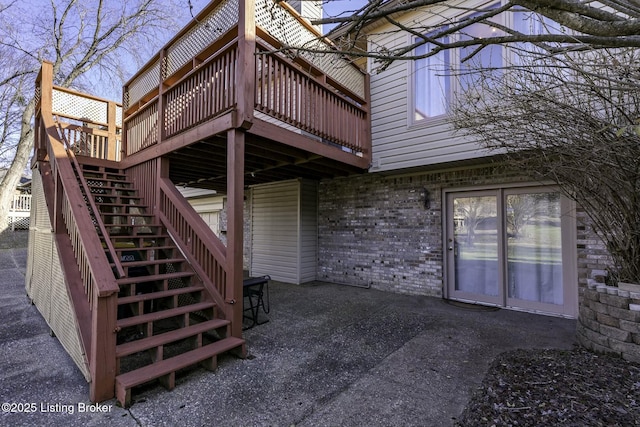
[[569, 255]]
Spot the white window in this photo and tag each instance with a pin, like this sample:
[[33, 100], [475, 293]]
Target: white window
[[432, 83], [489, 58], [530, 23], [435, 79]]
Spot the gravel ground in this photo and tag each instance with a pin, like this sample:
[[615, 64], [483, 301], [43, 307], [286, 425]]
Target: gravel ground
[[553, 387]]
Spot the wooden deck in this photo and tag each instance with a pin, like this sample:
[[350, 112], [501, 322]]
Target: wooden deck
[[221, 106], [303, 117]]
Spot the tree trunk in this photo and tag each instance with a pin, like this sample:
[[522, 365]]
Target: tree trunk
[[15, 171]]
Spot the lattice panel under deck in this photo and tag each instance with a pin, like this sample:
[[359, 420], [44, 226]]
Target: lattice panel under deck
[[46, 285], [79, 107], [284, 27], [216, 23]]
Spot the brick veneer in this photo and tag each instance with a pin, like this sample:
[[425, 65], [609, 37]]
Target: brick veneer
[[374, 230]]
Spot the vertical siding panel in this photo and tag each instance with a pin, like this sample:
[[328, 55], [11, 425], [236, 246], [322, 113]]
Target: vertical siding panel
[[284, 231]]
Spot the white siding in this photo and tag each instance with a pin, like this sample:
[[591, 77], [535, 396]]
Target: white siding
[[284, 231], [209, 209], [308, 9], [397, 143], [274, 231]]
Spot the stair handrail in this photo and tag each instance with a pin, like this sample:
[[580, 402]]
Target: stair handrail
[[75, 232], [96, 213], [99, 283], [105, 286], [185, 241]]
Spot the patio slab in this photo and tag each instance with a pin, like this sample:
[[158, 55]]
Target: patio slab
[[331, 355]]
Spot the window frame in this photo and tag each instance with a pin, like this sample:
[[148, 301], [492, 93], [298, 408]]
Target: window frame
[[411, 111], [507, 54]]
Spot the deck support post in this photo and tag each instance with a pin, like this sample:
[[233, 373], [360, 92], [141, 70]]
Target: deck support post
[[235, 223], [112, 153], [246, 66], [102, 362]]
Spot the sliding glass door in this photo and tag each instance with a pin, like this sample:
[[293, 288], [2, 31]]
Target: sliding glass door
[[509, 247]]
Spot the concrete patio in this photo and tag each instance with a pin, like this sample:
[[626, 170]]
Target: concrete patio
[[331, 355]]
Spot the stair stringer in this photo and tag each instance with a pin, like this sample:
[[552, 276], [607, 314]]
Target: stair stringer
[[49, 281]]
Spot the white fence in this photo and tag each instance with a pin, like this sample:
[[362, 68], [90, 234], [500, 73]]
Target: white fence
[[19, 212]]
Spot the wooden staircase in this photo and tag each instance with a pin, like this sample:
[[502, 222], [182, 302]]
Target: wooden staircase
[[166, 320]]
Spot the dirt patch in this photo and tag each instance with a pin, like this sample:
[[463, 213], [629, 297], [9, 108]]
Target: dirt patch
[[554, 387]]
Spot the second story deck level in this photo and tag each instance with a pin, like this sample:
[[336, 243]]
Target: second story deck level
[[230, 68]]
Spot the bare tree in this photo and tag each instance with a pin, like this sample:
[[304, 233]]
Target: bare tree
[[79, 37], [567, 110], [603, 24], [575, 119]]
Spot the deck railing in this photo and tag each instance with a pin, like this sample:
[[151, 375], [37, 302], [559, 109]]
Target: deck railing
[[202, 248], [71, 217], [194, 78], [287, 94], [19, 211], [91, 125], [206, 92], [21, 203]]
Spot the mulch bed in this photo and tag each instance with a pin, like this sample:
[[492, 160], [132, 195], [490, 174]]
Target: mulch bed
[[555, 387]]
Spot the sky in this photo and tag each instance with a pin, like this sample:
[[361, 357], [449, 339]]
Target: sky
[[111, 91], [337, 7]]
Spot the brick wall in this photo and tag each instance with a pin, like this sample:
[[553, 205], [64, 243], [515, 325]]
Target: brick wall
[[246, 255], [592, 252], [374, 230]]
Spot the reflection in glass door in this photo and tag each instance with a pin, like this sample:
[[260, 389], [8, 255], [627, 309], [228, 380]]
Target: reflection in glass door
[[475, 246], [505, 247], [534, 247]]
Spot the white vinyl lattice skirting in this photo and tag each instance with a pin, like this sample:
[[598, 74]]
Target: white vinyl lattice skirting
[[45, 283]]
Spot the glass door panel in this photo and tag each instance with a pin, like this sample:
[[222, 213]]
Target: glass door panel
[[534, 247], [508, 247], [474, 246]]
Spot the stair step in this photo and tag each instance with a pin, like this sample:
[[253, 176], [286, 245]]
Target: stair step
[[168, 337], [156, 295], [102, 173], [111, 188], [130, 245], [109, 177], [154, 277], [144, 248], [116, 196], [120, 205], [125, 382], [118, 179], [121, 193], [126, 214], [164, 314], [145, 263], [110, 185], [132, 226], [123, 239]]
